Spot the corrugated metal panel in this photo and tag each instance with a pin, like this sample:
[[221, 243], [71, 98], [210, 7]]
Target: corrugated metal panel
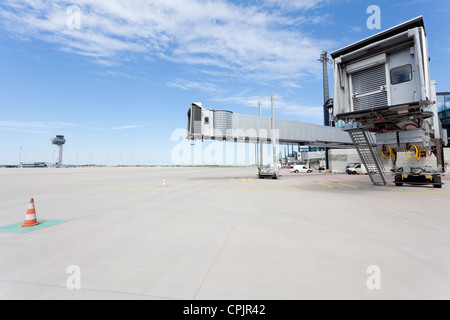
[[368, 88], [369, 80], [378, 99], [223, 121]]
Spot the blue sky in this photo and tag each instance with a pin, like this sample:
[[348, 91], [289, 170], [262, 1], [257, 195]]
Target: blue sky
[[119, 85]]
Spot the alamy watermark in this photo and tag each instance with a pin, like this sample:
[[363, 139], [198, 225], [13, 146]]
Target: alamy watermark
[[374, 280], [74, 280], [235, 147], [73, 21], [374, 21]]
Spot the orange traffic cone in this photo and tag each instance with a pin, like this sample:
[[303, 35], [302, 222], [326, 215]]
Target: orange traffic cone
[[164, 182], [30, 219]]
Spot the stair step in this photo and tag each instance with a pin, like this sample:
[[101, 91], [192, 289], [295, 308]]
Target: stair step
[[367, 151]]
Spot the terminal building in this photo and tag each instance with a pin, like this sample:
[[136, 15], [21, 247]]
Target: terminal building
[[443, 105]]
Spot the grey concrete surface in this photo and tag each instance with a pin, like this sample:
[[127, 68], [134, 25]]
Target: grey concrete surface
[[221, 233]]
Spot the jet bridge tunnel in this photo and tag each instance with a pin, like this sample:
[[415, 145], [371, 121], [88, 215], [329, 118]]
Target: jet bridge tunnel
[[207, 124]]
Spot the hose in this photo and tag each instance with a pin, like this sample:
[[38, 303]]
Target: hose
[[390, 153], [416, 155]]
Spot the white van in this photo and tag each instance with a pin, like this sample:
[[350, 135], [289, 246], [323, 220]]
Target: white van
[[357, 169], [301, 168]]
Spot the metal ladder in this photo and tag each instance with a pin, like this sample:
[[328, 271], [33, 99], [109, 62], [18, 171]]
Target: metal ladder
[[367, 150]]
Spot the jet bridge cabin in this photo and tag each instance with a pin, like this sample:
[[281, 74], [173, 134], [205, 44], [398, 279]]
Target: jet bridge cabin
[[382, 85], [387, 70]]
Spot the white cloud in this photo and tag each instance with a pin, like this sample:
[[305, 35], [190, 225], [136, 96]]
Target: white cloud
[[199, 85], [26, 130], [33, 127], [281, 106], [47, 125], [355, 29], [296, 4], [241, 38], [126, 127]]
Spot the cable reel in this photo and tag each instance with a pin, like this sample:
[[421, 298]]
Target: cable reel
[[384, 149], [387, 152], [417, 155]]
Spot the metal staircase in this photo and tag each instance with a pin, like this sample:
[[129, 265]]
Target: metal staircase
[[367, 150]]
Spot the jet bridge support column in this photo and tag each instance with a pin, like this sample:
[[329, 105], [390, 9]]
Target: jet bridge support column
[[440, 156], [261, 143], [274, 145]]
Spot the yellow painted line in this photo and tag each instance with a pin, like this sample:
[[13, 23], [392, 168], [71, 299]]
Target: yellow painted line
[[243, 180], [250, 180], [323, 184], [233, 180], [347, 185]]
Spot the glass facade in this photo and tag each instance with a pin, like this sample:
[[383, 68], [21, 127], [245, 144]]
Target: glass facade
[[443, 104]]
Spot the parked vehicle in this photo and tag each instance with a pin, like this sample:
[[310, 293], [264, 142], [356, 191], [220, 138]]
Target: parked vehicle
[[352, 165], [356, 169], [300, 169], [269, 171]]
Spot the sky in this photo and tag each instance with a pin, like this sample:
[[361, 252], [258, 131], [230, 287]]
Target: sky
[[117, 78]]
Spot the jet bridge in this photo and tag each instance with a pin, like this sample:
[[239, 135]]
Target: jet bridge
[[222, 125]]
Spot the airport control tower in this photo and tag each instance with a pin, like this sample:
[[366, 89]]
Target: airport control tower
[[59, 141]]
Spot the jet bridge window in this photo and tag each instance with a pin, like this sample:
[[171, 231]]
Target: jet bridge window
[[401, 74], [206, 120]]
